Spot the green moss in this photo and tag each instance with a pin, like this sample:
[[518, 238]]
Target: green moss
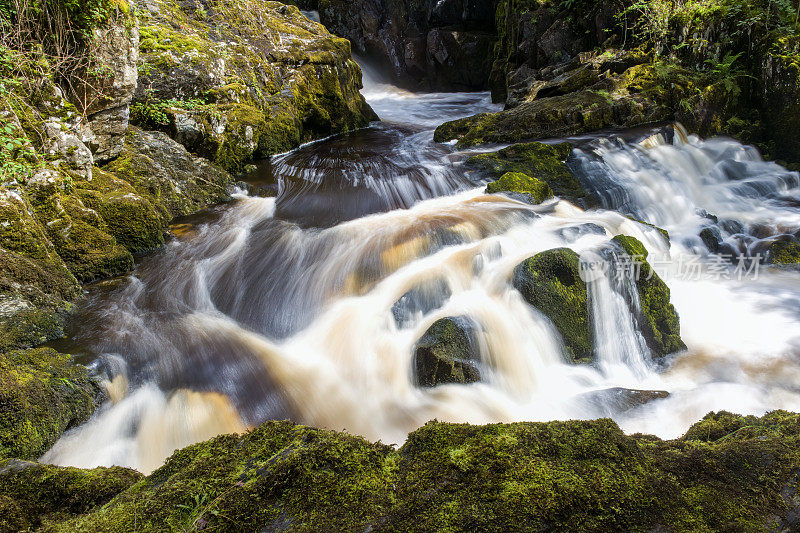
[[517, 182], [279, 476], [784, 251], [541, 162], [446, 354], [43, 493], [550, 281], [42, 394], [658, 319], [729, 473], [132, 220]]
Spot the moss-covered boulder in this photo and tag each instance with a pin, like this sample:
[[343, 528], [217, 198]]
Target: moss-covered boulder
[[551, 282], [447, 353], [176, 182], [544, 163], [531, 189], [38, 495], [728, 473], [785, 250], [657, 318], [42, 394], [235, 81]]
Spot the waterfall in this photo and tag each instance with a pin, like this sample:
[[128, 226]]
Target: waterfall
[[307, 306]]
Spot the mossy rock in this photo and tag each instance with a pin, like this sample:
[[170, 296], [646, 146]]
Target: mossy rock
[[658, 320], [728, 473], [542, 162], [42, 394], [551, 282], [516, 183], [235, 82], [785, 250], [446, 353], [38, 494]]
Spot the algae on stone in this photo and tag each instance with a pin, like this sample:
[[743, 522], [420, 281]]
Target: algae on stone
[[42, 394], [542, 162], [657, 317], [551, 282]]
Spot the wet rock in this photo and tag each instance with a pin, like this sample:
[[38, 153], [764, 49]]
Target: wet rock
[[712, 238], [238, 82], [619, 399], [446, 353], [42, 394], [542, 162], [550, 281], [419, 300], [656, 317], [785, 250], [35, 494]]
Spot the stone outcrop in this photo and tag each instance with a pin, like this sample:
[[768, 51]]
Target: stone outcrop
[[424, 44], [234, 81], [727, 473]]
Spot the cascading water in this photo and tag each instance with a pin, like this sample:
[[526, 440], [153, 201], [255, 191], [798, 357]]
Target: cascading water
[[307, 306]]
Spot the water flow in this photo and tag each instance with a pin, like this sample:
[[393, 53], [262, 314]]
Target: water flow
[[261, 311]]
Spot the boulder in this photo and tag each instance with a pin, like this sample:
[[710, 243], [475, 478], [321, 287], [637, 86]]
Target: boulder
[[42, 394], [559, 476], [656, 317], [551, 282], [235, 82], [517, 184], [542, 162], [446, 353], [784, 250], [34, 494]]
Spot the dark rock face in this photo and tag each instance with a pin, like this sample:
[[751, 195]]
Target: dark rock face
[[425, 44], [728, 473], [446, 354]]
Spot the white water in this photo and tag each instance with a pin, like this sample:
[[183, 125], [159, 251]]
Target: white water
[[251, 317]]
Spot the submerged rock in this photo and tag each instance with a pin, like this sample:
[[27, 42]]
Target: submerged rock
[[235, 81], [656, 316], [619, 399], [551, 282], [728, 473], [446, 354], [542, 162], [42, 394]]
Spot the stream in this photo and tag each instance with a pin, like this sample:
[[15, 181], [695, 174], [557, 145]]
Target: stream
[[307, 305]]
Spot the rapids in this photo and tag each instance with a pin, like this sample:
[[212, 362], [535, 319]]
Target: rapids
[[307, 305]]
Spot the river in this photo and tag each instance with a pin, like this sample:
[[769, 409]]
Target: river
[[307, 305]]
